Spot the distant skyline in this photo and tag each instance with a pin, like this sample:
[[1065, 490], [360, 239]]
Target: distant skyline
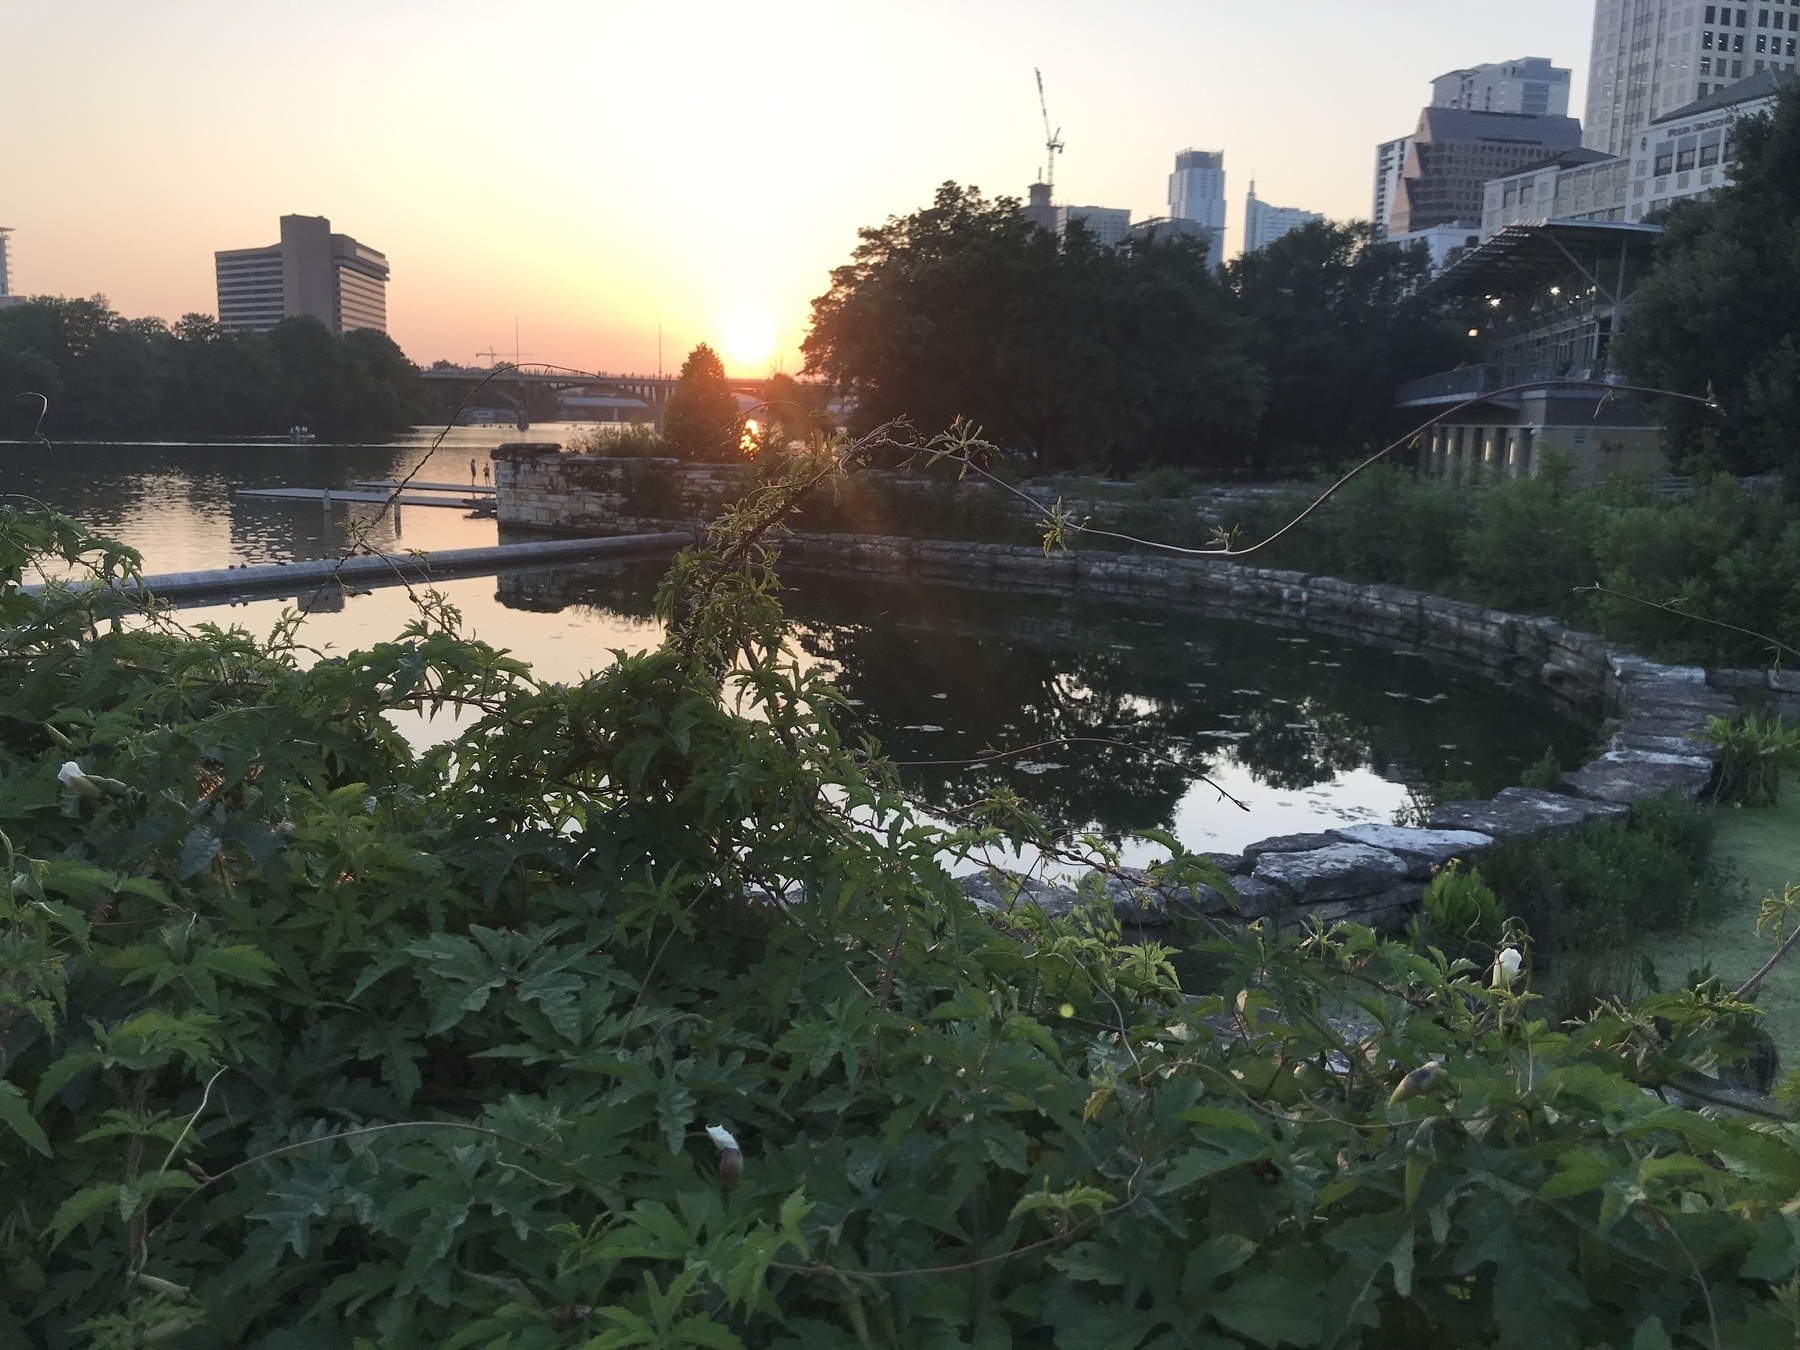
[[699, 164]]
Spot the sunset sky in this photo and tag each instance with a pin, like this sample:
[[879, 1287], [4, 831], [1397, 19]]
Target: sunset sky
[[590, 168]]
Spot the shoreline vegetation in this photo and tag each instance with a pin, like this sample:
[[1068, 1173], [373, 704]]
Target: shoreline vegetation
[[644, 1013]]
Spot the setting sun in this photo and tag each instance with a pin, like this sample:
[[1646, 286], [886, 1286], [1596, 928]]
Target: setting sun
[[749, 339]]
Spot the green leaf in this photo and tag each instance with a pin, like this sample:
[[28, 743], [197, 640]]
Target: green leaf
[[1651, 1336], [15, 1112], [80, 1207], [197, 852], [244, 964]]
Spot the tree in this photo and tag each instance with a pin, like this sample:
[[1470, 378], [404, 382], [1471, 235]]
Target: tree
[[1337, 321], [702, 417], [1073, 352], [1720, 311]]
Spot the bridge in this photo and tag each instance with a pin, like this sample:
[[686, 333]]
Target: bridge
[[515, 380]]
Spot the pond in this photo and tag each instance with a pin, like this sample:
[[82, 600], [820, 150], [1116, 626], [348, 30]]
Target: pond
[[1111, 717]]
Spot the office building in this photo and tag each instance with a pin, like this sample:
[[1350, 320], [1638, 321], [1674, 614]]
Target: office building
[[1687, 153], [1530, 85], [1197, 193], [1038, 208], [6, 292], [1579, 184], [1455, 153], [1163, 229], [1264, 224], [310, 273], [1106, 224], [1652, 57], [1390, 166], [1445, 243]]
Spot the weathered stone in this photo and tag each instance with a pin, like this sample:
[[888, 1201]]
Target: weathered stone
[[1423, 851], [1231, 864], [1737, 679], [1340, 872], [1289, 843], [1519, 813], [1785, 681], [1002, 893], [1386, 913], [1788, 709], [1136, 903], [1257, 899], [1632, 776], [1635, 669]]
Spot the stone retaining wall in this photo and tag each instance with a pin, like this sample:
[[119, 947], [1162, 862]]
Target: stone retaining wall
[[1371, 873]]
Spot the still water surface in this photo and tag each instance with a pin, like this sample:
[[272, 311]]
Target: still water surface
[[1306, 730]]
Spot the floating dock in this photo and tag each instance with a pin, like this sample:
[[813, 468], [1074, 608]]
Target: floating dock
[[394, 569], [416, 486]]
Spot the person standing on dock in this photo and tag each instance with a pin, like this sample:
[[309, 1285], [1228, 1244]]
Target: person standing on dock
[[487, 475], [471, 471]]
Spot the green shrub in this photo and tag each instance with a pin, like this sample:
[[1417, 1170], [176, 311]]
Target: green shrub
[[620, 440], [1459, 905], [645, 1013], [1753, 755], [1163, 484], [1545, 775], [1529, 545]]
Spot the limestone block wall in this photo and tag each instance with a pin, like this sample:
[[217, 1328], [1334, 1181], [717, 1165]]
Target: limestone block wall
[[1373, 874]]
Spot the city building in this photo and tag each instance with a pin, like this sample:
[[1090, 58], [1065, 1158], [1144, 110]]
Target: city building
[[1579, 184], [1455, 153], [1687, 153], [1390, 168], [1197, 193], [6, 292], [1445, 243], [1264, 224], [1530, 85], [1107, 225], [1684, 155], [1161, 229], [1547, 301], [1038, 208], [1653, 57], [311, 272]]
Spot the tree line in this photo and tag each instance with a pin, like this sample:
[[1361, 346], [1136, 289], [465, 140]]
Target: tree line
[[1082, 356], [104, 375]]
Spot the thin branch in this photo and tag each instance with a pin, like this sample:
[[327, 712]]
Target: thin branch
[[1667, 608], [1750, 984]]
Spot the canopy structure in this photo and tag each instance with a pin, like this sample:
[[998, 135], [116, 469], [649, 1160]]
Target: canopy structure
[[1527, 260]]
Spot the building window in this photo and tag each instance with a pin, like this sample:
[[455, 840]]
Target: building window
[[1737, 70], [1684, 161], [1665, 164], [1737, 43], [1709, 155], [1762, 45], [1712, 13], [1792, 42], [1762, 18], [1743, 18]]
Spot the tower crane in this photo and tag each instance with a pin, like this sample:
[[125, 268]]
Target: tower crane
[[1053, 141]]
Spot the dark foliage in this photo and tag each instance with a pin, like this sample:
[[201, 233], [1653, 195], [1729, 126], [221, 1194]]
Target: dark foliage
[[1721, 311], [702, 421], [105, 375]]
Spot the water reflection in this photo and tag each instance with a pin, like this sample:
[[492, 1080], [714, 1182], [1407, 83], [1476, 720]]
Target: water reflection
[[1129, 706]]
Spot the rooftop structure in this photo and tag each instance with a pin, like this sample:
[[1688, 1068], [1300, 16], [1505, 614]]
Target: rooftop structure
[[1653, 57], [1197, 193], [1264, 224], [310, 273], [1455, 153], [1445, 243], [1108, 225], [1530, 85]]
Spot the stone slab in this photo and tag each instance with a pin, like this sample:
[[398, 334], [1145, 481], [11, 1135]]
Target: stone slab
[[1785, 681], [1257, 899], [1632, 776], [1423, 851], [1289, 843], [1520, 813], [1340, 872], [1002, 893], [1137, 904], [1386, 913]]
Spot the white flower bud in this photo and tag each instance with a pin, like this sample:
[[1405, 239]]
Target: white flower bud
[[1507, 967], [722, 1137], [731, 1158], [71, 776]]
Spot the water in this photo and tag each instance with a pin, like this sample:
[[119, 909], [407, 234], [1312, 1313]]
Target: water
[[1125, 718]]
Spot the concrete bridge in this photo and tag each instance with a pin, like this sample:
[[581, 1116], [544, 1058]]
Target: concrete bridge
[[516, 382]]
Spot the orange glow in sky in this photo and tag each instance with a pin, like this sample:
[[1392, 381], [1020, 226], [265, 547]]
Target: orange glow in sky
[[591, 168]]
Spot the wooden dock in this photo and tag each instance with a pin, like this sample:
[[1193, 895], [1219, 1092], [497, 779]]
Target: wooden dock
[[332, 496]]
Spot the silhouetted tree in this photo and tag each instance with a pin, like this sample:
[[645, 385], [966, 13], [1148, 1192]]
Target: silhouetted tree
[[702, 417]]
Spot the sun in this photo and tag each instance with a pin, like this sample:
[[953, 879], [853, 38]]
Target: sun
[[749, 337]]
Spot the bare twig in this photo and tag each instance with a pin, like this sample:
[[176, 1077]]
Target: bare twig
[[1750, 984], [1775, 644]]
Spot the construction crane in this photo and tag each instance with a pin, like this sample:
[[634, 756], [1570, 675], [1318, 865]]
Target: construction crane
[[1053, 142]]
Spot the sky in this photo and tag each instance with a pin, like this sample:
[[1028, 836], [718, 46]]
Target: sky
[[588, 170]]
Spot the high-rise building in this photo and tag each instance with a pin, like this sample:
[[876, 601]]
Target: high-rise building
[[1651, 57], [6, 295], [1455, 153], [1530, 85], [311, 272], [1039, 209], [1108, 225], [1197, 193], [1390, 167], [1264, 224]]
